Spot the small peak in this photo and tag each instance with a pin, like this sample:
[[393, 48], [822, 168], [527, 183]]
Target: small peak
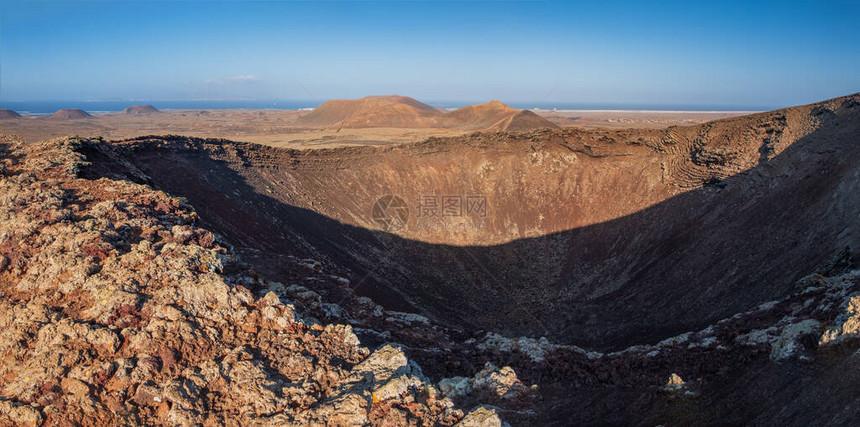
[[498, 104], [140, 109], [8, 114]]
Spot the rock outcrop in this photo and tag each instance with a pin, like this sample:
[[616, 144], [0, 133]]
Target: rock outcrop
[[117, 308]]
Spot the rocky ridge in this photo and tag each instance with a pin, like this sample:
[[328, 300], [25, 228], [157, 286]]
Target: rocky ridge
[[597, 238], [117, 309]]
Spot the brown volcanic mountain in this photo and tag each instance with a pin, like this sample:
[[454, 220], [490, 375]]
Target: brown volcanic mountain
[[8, 114], [400, 99], [495, 115], [523, 121], [140, 109], [404, 112], [69, 114], [371, 111], [693, 275]]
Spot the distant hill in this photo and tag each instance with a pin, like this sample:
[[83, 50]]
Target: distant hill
[[140, 109], [406, 100], [69, 113], [495, 115], [523, 120], [405, 112], [8, 114], [372, 111]]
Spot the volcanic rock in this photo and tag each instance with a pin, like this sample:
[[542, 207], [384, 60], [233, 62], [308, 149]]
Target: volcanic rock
[[175, 280], [119, 309]]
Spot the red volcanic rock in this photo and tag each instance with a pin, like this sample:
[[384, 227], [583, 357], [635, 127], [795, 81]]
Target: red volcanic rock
[[160, 321]]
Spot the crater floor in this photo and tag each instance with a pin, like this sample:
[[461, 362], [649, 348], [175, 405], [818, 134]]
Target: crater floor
[[598, 238]]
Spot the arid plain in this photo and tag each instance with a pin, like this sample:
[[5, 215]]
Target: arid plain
[[286, 128]]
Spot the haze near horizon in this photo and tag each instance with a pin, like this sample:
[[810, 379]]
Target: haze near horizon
[[767, 55]]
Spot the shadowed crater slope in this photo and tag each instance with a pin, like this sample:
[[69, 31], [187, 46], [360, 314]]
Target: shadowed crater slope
[[598, 238]]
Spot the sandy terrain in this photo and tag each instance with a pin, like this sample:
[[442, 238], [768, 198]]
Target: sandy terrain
[[270, 127], [281, 128]]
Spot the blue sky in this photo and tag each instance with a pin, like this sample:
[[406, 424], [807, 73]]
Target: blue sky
[[658, 53]]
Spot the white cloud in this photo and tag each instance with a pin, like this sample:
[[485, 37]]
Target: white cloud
[[245, 78]]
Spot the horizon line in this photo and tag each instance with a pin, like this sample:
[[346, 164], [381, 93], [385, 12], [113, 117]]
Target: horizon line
[[525, 105]]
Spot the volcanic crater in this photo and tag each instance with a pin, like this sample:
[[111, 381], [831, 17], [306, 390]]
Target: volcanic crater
[[603, 239], [703, 274]]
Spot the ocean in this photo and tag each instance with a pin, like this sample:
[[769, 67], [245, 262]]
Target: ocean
[[48, 107], [95, 107]]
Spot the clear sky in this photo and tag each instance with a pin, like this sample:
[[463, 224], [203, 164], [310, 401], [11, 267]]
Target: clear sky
[[747, 53]]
